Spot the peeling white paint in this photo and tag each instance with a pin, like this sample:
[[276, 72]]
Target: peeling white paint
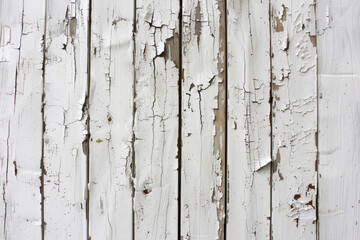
[[249, 141], [111, 120], [21, 60], [156, 126], [91, 111], [203, 120], [294, 120], [65, 88]]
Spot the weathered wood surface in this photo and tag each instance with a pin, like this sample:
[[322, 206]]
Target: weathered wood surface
[[339, 116], [249, 131], [203, 119], [156, 120], [294, 119], [21, 87], [179, 119], [65, 91], [111, 122]]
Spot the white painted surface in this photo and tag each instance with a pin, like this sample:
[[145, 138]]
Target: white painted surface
[[156, 119], [65, 90], [111, 150], [111, 121], [339, 115], [21, 58], [294, 119], [203, 120], [249, 139]]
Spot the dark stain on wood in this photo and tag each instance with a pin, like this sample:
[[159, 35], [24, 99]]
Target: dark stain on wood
[[310, 186], [297, 221], [297, 196], [310, 203], [15, 168]]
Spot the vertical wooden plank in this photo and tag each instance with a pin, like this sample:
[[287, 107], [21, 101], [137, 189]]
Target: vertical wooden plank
[[156, 119], [203, 119], [249, 131], [339, 117], [294, 119], [65, 89], [21, 59], [111, 119]]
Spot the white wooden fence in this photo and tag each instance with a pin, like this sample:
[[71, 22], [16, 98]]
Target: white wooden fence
[[179, 119]]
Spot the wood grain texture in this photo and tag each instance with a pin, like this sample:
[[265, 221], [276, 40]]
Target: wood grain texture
[[249, 138], [111, 120], [156, 119], [294, 119], [203, 119], [65, 91], [21, 82], [339, 115], [179, 119]]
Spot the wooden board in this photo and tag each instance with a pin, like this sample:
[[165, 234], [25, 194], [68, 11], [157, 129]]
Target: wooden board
[[156, 120], [111, 120], [21, 84], [294, 119], [249, 138], [179, 119], [203, 119], [339, 115], [65, 116]]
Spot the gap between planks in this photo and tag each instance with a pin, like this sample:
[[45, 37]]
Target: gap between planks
[[180, 120]]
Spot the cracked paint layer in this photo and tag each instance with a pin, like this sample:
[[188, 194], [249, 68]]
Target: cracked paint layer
[[93, 100], [111, 120], [203, 119], [156, 119], [65, 93], [249, 140], [21, 60], [294, 120]]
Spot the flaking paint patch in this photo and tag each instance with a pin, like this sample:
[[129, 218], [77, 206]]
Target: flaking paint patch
[[5, 35], [204, 104], [172, 52], [294, 103]]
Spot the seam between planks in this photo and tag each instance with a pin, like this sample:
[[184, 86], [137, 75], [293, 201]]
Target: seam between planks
[[133, 166], [180, 117], [317, 128], [271, 119], [226, 194], [43, 127], [87, 140]]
